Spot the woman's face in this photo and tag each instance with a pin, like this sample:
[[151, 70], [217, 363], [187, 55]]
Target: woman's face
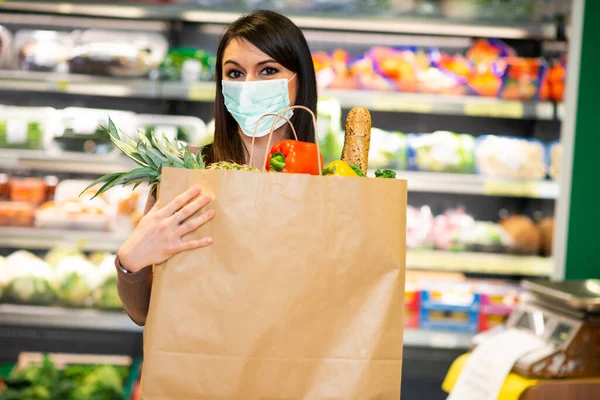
[[244, 62]]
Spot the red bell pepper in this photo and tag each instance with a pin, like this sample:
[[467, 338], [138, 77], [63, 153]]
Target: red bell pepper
[[294, 157]]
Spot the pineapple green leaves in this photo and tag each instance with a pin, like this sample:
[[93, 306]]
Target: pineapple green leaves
[[151, 153]]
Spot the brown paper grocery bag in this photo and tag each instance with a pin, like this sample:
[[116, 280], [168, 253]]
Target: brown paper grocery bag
[[299, 297]]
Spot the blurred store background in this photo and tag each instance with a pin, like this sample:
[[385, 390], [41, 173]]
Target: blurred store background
[[467, 99]]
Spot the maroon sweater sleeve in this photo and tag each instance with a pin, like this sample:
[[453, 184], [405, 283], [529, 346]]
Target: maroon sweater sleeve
[[134, 288]]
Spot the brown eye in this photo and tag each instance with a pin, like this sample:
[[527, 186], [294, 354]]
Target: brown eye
[[234, 74], [269, 71]]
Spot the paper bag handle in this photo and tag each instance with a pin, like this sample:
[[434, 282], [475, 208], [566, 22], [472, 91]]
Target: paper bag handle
[[278, 116]]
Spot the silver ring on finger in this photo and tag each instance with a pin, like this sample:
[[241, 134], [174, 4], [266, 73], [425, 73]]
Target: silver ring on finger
[[177, 217]]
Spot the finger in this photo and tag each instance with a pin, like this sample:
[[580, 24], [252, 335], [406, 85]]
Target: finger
[[194, 223], [180, 201], [193, 244], [191, 208]]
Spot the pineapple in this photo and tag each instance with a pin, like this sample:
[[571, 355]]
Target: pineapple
[[231, 166], [152, 153]]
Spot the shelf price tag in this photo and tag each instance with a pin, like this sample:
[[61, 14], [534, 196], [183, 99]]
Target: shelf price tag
[[201, 92], [59, 85], [495, 109], [512, 189], [399, 103]]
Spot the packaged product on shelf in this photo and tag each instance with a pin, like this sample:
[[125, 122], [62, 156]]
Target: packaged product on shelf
[[419, 226], [557, 77], [188, 64], [388, 150], [4, 187], [487, 57], [524, 233], [27, 128], [344, 75], [522, 78], [489, 50], [498, 301], [412, 298], [6, 48], [42, 51], [29, 190], [546, 228], [16, 214], [329, 127], [509, 157], [451, 228], [447, 74], [188, 130], [30, 282], [385, 68], [441, 152], [555, 150], [488, 237], [71, 211], [82, 130], [120, 54], [129, 205], [449, 306]]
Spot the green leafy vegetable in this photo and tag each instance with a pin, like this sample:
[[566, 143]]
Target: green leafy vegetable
[[386, 173]]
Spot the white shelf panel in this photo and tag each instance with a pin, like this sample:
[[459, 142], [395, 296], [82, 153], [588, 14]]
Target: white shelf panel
[[478, 185], [77, 84], [205, 92], [382, 24], [118, 321], [39, 160], [482, 263], [417, 103], [41, 239]]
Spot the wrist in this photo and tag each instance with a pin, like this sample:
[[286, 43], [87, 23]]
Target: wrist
[[128, 263]]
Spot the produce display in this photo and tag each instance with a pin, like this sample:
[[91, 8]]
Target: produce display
[[46, 204], [490, 68], [188, 65], [74, 381], [26, 127], [456, 230], [441, 152], [510, 157], [555, 156], [98, 52], [65, 277]]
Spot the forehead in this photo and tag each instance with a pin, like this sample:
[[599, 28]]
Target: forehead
[[243, 52]]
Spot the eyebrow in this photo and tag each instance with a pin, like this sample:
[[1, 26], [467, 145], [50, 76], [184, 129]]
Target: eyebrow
[[268, 61]]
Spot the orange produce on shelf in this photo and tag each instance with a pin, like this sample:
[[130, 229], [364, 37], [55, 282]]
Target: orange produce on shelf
[[557, 78]]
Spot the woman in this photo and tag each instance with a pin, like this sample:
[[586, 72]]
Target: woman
[[265, 65]]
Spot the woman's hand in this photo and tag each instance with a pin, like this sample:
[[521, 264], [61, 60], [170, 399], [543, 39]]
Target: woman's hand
[[159, 233]]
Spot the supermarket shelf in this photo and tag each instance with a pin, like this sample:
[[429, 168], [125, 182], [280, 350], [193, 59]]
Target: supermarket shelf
[[77, 84], [117, 321], [478, 185], [394, 101], [193, 13], [66, 318], [32, 238], [39, 160], [484, 263], [480, 263], [205, 92]]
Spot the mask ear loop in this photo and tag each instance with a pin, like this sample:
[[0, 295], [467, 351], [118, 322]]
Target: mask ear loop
[[270, 133], [280, 115]]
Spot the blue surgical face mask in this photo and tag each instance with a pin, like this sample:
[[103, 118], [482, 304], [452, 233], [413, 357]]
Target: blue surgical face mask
[[248, 101]]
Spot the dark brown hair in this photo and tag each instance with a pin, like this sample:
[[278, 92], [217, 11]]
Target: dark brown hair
[[279, 38]]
